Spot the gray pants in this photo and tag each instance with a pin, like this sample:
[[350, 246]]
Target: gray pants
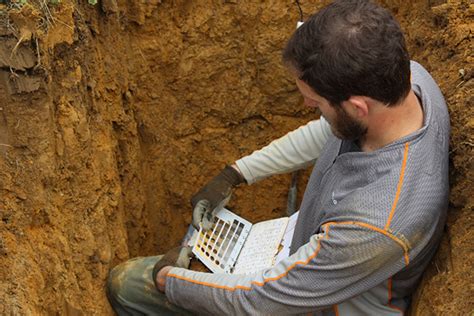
[[131, 290]]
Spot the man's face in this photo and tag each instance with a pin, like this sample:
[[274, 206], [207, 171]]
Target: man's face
[[342, 124]]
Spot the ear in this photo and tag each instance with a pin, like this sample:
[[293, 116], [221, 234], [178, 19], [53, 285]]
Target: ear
[[357, 105]]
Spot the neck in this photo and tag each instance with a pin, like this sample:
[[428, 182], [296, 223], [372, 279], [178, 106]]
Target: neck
[[388, 124]]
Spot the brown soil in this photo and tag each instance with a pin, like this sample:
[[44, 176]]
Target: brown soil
[[111, 116]]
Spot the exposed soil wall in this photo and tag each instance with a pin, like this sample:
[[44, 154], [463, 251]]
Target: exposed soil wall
[[111, 117]]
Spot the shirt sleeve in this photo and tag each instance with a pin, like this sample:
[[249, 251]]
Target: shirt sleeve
[[342, 261], [295, 150]]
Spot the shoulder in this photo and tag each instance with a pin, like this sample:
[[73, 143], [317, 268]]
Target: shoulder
[[405, 184], [428, 91]]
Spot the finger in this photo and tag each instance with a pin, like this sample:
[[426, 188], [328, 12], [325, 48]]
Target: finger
[[207, 221], [188, 251], [199, 210], [184, 258]]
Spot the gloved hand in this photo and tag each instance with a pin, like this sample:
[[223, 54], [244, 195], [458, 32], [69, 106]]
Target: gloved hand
[[177, 257], [214, 195]]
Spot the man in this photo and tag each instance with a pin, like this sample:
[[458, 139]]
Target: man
[[374, 207]]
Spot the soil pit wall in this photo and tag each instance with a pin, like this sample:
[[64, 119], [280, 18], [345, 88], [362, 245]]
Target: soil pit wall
[[112, 118]]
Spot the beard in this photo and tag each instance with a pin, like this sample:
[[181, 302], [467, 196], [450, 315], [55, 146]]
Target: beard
[[345, 127]]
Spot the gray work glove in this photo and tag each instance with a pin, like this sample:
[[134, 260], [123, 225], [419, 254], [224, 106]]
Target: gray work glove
[[213, 196], [179, 257]]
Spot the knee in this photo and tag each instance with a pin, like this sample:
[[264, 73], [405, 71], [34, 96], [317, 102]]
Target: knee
[[117, 282], [129, 280]]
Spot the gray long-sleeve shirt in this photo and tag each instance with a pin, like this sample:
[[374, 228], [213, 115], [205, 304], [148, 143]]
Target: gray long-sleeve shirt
[[369, 224]]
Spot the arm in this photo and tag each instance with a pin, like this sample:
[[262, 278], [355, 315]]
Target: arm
[[341, 262], [295, 150]]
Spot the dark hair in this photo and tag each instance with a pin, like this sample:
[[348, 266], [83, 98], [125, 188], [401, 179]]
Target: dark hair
[[351, 47]]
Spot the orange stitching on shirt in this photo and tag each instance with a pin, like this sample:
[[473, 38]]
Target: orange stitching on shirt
[[399, 186], [326, 228], [389, 304], [240, 287], [315, 253], [379, 230], [228, 288]]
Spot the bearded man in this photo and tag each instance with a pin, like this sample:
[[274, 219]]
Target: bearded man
[[375, 205]]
